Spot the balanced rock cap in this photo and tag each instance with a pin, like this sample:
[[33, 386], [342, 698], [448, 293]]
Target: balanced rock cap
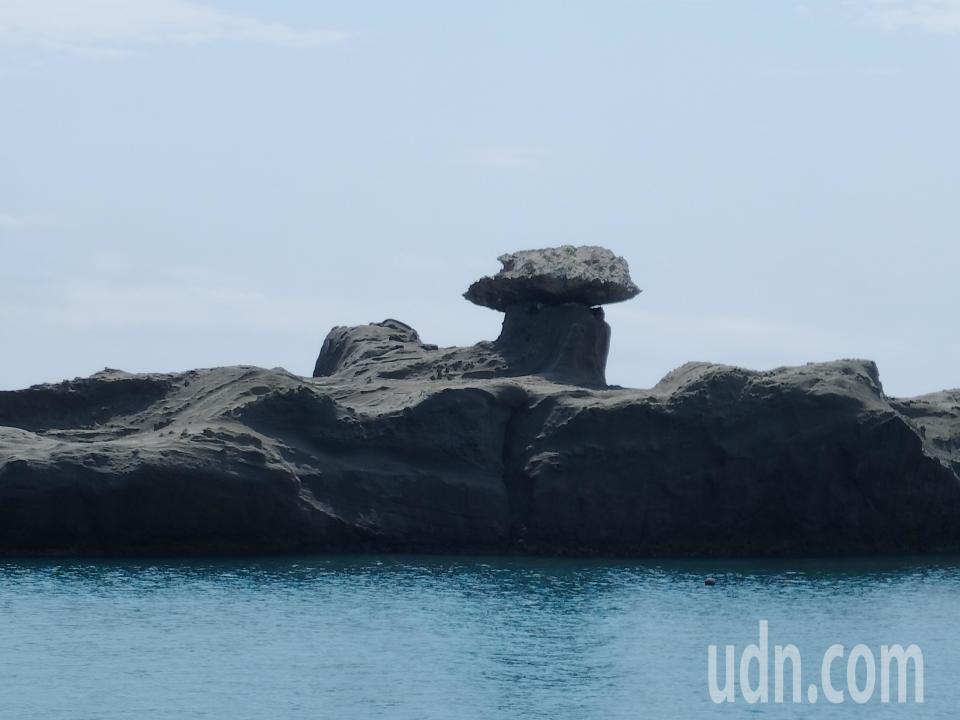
[[588, 274]]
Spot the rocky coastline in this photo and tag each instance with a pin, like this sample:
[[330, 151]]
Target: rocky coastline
[[512, 445]]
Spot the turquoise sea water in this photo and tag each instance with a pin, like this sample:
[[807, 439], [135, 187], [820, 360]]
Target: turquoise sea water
[[450, 637]]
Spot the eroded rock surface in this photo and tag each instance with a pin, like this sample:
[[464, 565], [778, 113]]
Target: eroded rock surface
[[587, 275], [513, 445], [713, 460], [564, 343]]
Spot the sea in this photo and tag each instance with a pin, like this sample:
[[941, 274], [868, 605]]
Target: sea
[[453, 637]]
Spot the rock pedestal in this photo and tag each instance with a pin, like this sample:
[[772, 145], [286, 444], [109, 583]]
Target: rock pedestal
[[565, 343]]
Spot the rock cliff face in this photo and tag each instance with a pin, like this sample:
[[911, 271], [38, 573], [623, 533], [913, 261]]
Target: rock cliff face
[[515, 445]]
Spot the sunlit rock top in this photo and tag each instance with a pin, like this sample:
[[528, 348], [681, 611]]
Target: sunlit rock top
[[588, 274]]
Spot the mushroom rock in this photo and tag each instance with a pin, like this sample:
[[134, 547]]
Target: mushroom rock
[[553, 326], [510, 445]]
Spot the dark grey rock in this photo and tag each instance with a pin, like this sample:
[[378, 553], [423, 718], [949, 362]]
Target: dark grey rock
[[564, 343], [588, 275], [514, 445], [714, 460]]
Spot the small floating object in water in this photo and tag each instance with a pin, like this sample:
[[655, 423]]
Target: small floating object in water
[[710, 581]]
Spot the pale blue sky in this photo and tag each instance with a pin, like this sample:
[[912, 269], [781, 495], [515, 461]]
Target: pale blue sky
[[187, 184]]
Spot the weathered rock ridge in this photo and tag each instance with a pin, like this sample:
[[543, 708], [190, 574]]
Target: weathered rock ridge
[[514, 445], [565, 343]]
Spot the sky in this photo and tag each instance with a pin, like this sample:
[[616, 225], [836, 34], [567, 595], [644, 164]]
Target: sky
[[195, 183]]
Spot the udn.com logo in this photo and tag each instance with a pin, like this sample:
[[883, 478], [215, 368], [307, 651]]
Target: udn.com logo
[[863, 671]]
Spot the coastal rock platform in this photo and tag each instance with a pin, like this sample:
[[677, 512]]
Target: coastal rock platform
[[513, 445]]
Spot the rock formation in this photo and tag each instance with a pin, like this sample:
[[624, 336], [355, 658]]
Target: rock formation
[[514, 445], [565, 343], [586, 275]]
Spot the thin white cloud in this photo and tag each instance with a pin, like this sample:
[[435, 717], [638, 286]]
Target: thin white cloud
[[9, 222], [160, 308], [505, 158], [108, 28], [729, 331], [819, 72], [934, 16]]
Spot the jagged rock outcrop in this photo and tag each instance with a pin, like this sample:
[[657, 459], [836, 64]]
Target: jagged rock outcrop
[[514, 445], [565, 343], [552, 327]]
